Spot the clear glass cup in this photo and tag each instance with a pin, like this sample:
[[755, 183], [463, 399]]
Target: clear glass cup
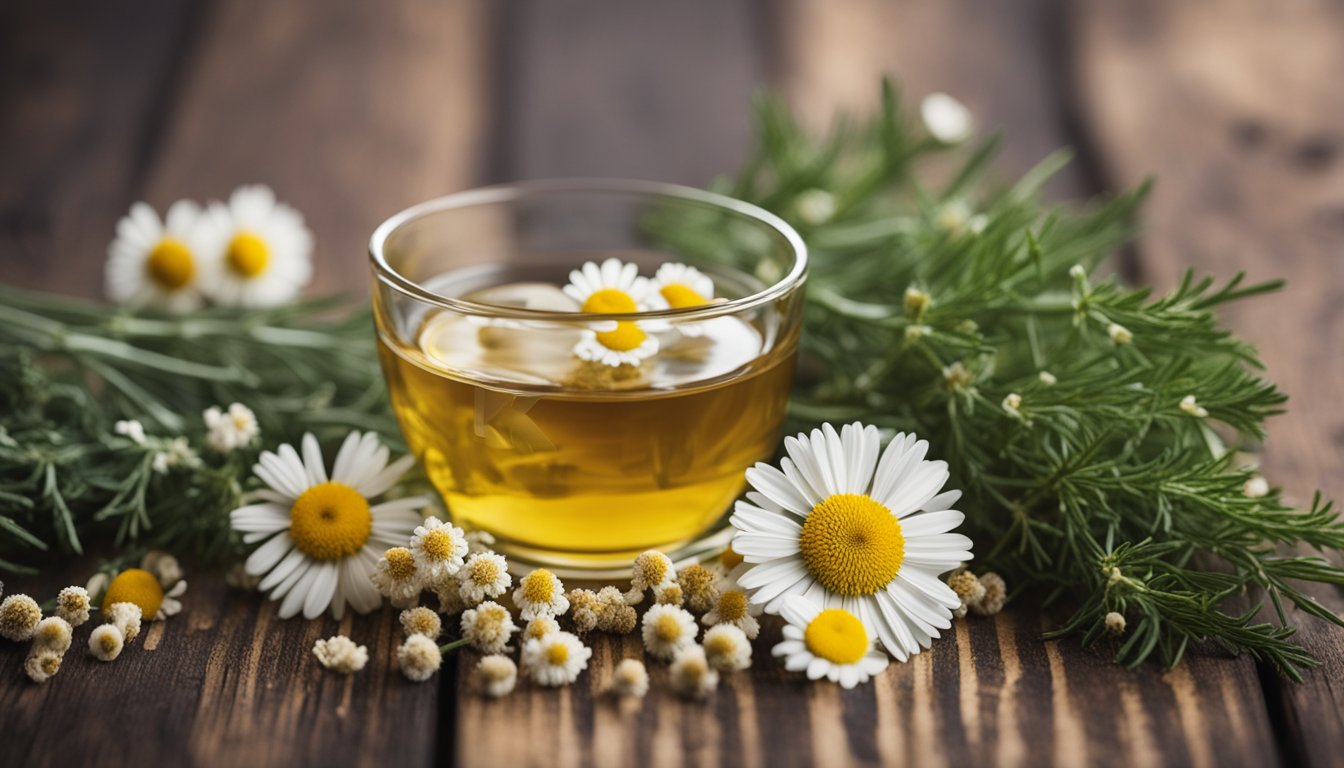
[[573, 464]]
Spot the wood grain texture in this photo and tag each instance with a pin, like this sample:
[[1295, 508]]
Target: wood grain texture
[[223, 683], [82, 92], [351, 111], [1227, 106]]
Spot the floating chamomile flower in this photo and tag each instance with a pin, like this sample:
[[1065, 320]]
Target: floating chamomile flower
[[19, 616], [680, 286], [847, 530], [612, 287], [831, 643], [556, 659], [485, 574], [421, 621], [727, 648], [946, 119], [325, 537], [496, 675], [540, 593], [626, 344], [667, 629], [138, 586], [488, 627], [735, 609], [398, 578], [158, 263], [691, 674], [439, 548], [258, 251], [227, 431], [341, 654], [72, 604], [106, 642], [419, 658], [630, 678]]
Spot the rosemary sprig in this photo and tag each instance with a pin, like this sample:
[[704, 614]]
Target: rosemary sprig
[[965, 311]]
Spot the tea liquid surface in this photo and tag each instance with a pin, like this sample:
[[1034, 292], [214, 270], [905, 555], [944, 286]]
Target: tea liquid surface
[[565, 459]]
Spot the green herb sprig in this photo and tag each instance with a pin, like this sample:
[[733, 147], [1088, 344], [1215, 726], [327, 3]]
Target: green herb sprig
[[966, 312]]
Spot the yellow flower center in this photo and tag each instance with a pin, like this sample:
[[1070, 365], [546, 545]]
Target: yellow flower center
[[170, 264], [729, 559], [732, 606], [108, 642], [248, 254], [852, 545], [138, 586], [437, 544], [837, 636], [626, 337], [609, 300], [720, 645], [330, 521], [400, 563], [557, 654], [538, 587], [484, 572], [667, 628], [680, 296]]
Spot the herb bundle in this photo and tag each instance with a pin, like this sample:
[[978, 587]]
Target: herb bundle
[[1092, 426]]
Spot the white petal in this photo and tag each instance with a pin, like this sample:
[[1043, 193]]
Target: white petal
[[931, 523], [282, 570], [930, 585], [918, 489], [312, 460], [299, 593], [796, 479], [801, 453], [271, 470], [320, 591], [749, 518], [828, 454], [764, 546], [377, 485], [268, 554], [774, 485], [944, 500], [409, 504], [799, 611], [345, 459], [264, 518], [817, 668], [772, 570]]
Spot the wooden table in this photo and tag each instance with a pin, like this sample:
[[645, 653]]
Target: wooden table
[[352, 110]]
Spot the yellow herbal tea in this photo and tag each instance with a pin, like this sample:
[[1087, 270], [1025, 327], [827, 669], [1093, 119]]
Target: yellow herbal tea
[[579, 462]]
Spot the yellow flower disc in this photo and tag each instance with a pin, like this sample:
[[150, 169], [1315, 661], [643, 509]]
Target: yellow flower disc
[[626, 337], [837, 636], [852, 545], [609, 300], [170, 264], [437, 544], [248, 254], [732, 606], [680, 296], [538, 587], [667, 628], [484, 571], [557, 654], [134, 585], [400, 563], [330, 521]]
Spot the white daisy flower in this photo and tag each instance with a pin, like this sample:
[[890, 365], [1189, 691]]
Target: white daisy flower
[[496, 675], [651, 570], [727, 648], [556, 659], [397, 577], [158, 263], [259, 251], [227, 431], [625, 344], [612, 287], [831, 643], [947, 120], [488, 627], [691, 674], [143, 589], [485, 574], [630, 678], [679, 286], [540, 593], [850, 531], [540, 627], [439, 548], [667, 629], [323, 537]]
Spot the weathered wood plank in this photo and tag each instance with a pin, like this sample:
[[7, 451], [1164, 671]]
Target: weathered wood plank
[[1227, 104], [83, 86]]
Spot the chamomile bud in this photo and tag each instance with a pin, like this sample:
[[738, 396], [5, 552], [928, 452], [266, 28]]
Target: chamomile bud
[[1256, 487], [42, 665], [669, 594], [947, 120], [340, 654], [816, 206], [19, 615], [1077, 272], [968, 588], [615, 615], [1047, 378], [419, 658], [698, 587], [630, 678], [1115, 623], [727, 648], [584, 608], [126, 618], [916, 301], [496, 675], [52, 634], [691, 675], [488, 627], [1192, 408], [996, 594], [1119, 334], [106, 642], [421, 621], [1012, 404], [72, 604]]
